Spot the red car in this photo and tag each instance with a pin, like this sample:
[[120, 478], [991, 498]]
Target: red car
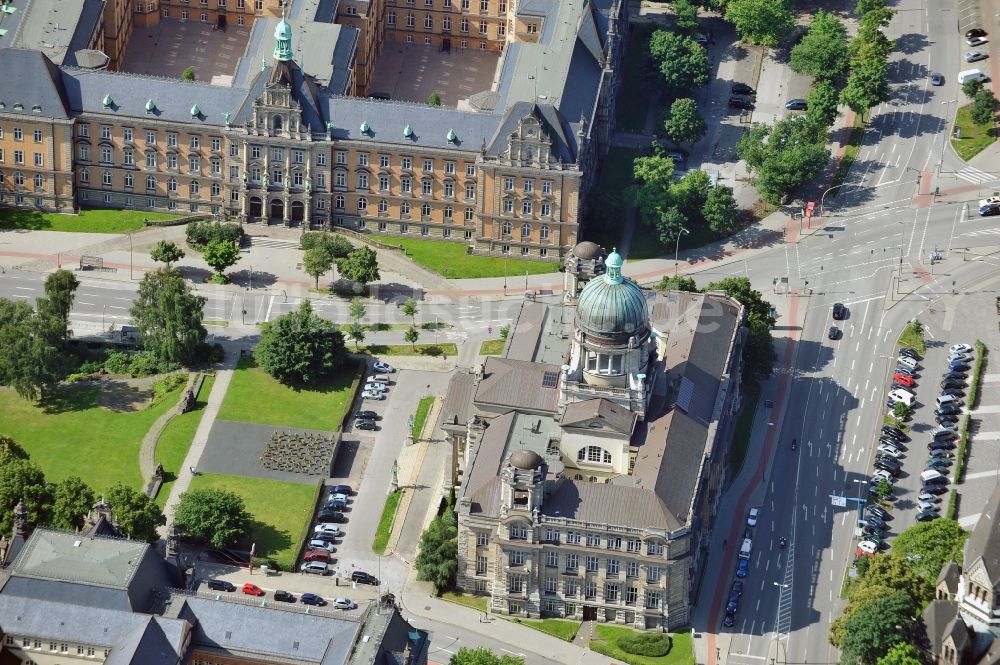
[[903, 379], [252, 590], [316, 555]]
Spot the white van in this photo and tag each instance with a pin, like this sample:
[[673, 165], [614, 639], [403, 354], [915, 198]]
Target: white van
[[745, 548], [970, 75], [946, 399], [930, 474], [906, 362], [900, 395], [378, 378]]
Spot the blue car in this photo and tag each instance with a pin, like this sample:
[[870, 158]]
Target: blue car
[[743, 568]]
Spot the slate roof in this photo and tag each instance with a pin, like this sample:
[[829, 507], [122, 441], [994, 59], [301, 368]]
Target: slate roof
[[56, 27], [250, 629], [488, 454], [984, 543], [38, 82], [560, 133], [457, 407], [613, 416], [949, 576], [517, 384], [322, 49], [937, 617], [526, 333], [603, 503], [154, 641], [174, 99]]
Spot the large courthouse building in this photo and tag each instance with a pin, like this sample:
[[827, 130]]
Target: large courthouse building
[[289, 136]]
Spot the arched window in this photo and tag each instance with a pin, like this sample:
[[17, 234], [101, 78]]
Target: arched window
[[216, 190], [19, 179], [425, 210], [362, 203], [594, 455], [172, 185], [383, 206], [340, 202], [543, 233], [468, 214], [525, 230], [277, 123], [506, 228], [150, 182]]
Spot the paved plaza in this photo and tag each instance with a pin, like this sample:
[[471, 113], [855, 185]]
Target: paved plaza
[[411, 72], [234, 448], [171, 46]]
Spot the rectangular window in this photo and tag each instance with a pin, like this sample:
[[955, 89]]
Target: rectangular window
[[508, 184], [428, 165], [171, 140], [406, 163], [552, 559], [105, 131], [341, 157], [362, 181], [515, 583], [482, 538], [171, 161], [216, 144], [501, 29], [234, 150], [631, 595], [527, 207], [482, 564], [255, 152], [483, 27], [570, 588], [515, 557], [552, 535], [449, 189], [654, 548], [426, 187], [277, 154], [383, 183], [613, 567], [572, 537], [652, 574], [592, 564], [546, 209], [614, 542], [634, 545], [611, 593], [38, 136], [321, 180], [84, 131], [652, 600], [321, 159], [632, 570], [572, 563], [593, 540], [590, 590], [517, 532], [194, 165], [38, 159], [194, 142], [551, 585], [362, 159]]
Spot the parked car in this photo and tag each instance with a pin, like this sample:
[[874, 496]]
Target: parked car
[[834, 333], [927, 515], [316, 554], [927, 496], [735, 591], [699, 38], [315, 567], [903, 380], [344, 604], [950, 419], [953, 383], [312, 599], [742, 568], [867, 547], [796, 105], [974, 56], [752, 517], [958, 366], [892, 451], [909, 352], [326, 536], [941, 452], [383, 368], [346, 490], [933, 489], [974, 32], [284, 597], [976, 41], [368, 415], [372, 395], [877, 510], [740, 103], [729, 620], [940, 445], [989, 210], [252, 589], [742, 89], [319, 544], [928, 506], [895, 432], [220, 585], [337, 501], [365, 425], [962, 347], [364, 578], [376, 387], [326, 528], [905, 370], [331, 515]]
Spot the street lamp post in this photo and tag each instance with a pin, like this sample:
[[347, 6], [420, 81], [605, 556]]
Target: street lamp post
[[104, 310], [677, 246]]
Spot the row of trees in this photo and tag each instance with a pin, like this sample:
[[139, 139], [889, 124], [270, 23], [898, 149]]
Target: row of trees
[[984, 102], [881, 623], [324, 250]]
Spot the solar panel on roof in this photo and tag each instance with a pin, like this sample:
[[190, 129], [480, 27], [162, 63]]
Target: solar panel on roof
[[685, 394], [550, 379]]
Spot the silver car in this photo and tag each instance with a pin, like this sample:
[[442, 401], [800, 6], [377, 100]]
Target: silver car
[[344, 603], [973, 56]]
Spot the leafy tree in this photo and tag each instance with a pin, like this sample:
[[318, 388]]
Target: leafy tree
[[867, 85], [137, 514], [927, 546], [902, 412], [895, 573], [872, 630], [337, 245], [669, 225], [166, 252], [822, 53], [411, 336], [720, 210], [822, 104], [682, 61], [685, 16], [758, 354], [883, 490], [169, 317], [505, 331], [72, 500], [29, 359], [690, 193], [869, 44], [437, 560], [357, 309], [901, 654], [677, 283], [763, 22], [188, 74], [684, 122], [300, 348], [864, 6], [410, 309], [434, 99], [875, 19], [221, 254], [316, 261], [984, 106], [972, 87], [482, 656], [10, 450], [783, 156], [654, 175], [214, 516], [60, 289], [356, 333], [361, 265], [23, 479]]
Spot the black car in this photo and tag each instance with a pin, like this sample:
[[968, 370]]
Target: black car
[[326, 536], [957, 392], [742, 89], [734, 597], [893, 470], [364, 578], [879, 511], [950, 419], [365, 424], [888, 459], [934, 489], [909, 353], [284, 597], [959, 367], [221, 585], [330, 515], [895, 432], [341, 489], [834, 332], [975, 32], [740, 103], [839, 311], [312, 599], [940, 445], [947, 410], [927, 515], [955, 374], [368, 415], [989, 210], [953, 383], [729, 620], [941, 453]]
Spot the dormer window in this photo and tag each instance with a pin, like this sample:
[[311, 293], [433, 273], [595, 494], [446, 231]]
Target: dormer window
[[594, 455]]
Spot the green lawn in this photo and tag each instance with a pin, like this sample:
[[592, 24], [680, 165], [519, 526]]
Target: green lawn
[[467, 599], [975, 138], [423, 408], [606, 642], [564, 629], [282, 512], [850, 154], [384, 529], [491, 347], [744, 425], [255, 397], [913, 337], [451, 260], [70, 435], [633, 102], [410, 350], [88, 221], [172, 447]]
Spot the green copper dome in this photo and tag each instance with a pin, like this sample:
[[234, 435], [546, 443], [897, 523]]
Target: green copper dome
[[283, 41], [612, 307]]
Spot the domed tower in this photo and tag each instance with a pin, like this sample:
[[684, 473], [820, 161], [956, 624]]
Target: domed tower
[[283, 40], [522, 481], [583, 263], [612, 339]]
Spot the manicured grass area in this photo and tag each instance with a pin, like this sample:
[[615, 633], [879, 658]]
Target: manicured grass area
[[913, 337], [491, 347], [281, 513], [744, 426], [636, 93], [411, 350], [850, 154], [68, 434], [88, 221], [451, 260], [564, 629], [475, 602], [606, 642], [174, 442], [975, 138], [255, 397], [420, 417], [384, 529]]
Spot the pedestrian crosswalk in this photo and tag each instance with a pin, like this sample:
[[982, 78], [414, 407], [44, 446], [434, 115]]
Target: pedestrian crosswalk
[[974, 175], [274, 243]]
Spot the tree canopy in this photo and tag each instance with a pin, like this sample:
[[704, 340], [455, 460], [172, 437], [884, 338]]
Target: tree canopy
[[300, 348], [60, 290], [360, 265], [137, 514], [23, 479], [867, 85], [10, 450], [437, 560], [682, 61], [166, 252], [317, 261], [901, 654], [927, 546], [684, 123], [984, 106], [677, 283], [784, 156], [213, 516], [875, 627], [822, 104], [72, 500], [220, 255], [822, 53], [720, 210], [758, 354], [30, 361], [763, 22], [169, 316], [482, 656]]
